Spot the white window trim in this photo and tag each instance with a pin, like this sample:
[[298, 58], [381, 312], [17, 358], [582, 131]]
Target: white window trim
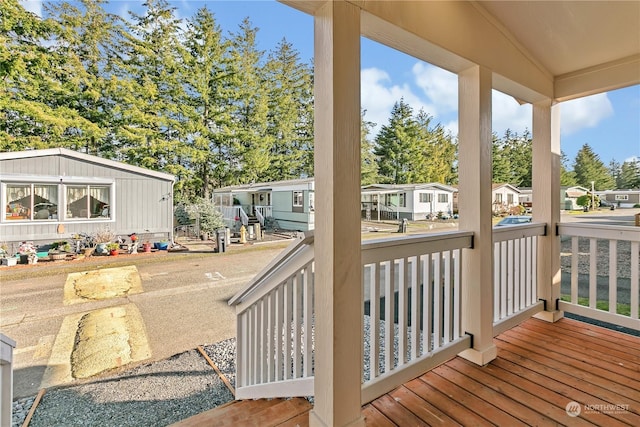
[[297, 204], [62, 182]]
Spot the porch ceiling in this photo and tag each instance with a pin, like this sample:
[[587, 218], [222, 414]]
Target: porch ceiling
[[536, 49]]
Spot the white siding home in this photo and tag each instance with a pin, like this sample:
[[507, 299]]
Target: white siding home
[[290, 203], [569, 197], [504, 197], [406, 201], [55, 193]]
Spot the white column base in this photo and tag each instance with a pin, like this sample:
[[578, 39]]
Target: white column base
[[549, 316], [315, 421], [479, 357]]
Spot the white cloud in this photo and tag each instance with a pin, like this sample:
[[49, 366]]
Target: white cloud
[[439, 86], [582, 113], [33, 6], [379, 94], [507, 113]]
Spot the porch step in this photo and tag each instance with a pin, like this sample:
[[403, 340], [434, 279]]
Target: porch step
[[259, 412]]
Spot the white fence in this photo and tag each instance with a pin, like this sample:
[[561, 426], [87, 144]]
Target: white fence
[[515, 274], [230, 213], [413, 281], [602, 263], [263, 212]]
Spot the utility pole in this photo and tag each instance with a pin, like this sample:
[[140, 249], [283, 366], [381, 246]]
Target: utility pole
[[593, 196]]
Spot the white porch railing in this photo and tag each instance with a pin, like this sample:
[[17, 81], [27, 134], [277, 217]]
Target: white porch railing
[[262, 212], [275, 316], [604, 272], [514, 274], [230, 213]]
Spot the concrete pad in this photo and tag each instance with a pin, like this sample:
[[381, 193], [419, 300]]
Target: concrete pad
[[101, 284], [95, 342]]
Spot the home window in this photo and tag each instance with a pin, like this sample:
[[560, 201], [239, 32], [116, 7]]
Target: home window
[[622, 197], [88, 202], [498, 198], [403, 200], [426, 197], [27, 202], [311, 201], [298, 199], [510, 199], [443, 198]]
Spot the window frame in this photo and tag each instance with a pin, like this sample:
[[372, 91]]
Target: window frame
[[427, 196], [298, 199], [62, 183], [443, 197]]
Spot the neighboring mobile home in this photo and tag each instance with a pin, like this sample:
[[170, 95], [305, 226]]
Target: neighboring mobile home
[[406, 201], [505, 197], [55, 193], [569, 197], [290, 203], [620, 198]]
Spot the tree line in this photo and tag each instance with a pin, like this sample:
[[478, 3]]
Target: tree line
[[184, 97]]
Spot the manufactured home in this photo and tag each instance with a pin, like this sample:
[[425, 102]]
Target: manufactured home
[[55, 193], [289, 204], [406, 201], [620, 198]]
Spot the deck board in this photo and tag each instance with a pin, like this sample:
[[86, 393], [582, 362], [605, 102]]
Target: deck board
[[540, 368]]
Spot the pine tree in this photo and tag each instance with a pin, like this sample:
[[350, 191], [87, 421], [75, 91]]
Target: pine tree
[[290, 114], [243, 148], [150, 94], [438, 152], [33, 111], [208, 82], [88, 39], [368, 165], [588, 167], [567, 177], [397, 147], [630, 175]]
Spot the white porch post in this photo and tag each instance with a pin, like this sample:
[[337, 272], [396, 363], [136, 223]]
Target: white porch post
[[338, 307], [475, 172], [546, 199]]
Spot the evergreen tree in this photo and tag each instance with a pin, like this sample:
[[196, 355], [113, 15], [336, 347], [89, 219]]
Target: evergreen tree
[[567, 177], [88, 39], [149, 109], [368, 165], [438, 152], [615, 170], [208, 86], [243, 155], [588, 167], [397, 147], [629, 175], [501, 163], [33, 111], [290, 114]]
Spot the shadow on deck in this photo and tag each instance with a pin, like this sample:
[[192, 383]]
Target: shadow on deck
[[567, 373]]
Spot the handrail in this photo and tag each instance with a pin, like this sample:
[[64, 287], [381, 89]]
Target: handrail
[[286, 256], [519, 231], [243, 216]]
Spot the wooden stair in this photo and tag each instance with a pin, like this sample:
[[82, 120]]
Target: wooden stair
[[260, 413]]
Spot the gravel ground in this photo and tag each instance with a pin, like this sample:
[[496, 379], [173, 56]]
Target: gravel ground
[[623, 258], [156, 394]]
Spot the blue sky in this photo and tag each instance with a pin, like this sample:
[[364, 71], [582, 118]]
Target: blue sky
[[609, 122]]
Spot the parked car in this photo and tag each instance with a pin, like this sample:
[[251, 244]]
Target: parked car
[[606, 204], [514, 219]]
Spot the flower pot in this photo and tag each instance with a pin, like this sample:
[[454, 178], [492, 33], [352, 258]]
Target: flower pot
[[9, 261], [146, 247], [162, 246], [24, 258], [58, 256], [101, 248], [113, 252]]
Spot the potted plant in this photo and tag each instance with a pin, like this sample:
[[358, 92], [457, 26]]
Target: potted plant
[[101, 238], [5, 258], [113, 248], [146, 246], [28, 253], [59, 250]]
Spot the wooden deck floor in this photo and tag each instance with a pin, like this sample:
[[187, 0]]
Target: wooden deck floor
[[540, 370]]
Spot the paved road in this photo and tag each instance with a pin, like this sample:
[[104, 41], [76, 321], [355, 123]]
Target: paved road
[[183, 304]]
